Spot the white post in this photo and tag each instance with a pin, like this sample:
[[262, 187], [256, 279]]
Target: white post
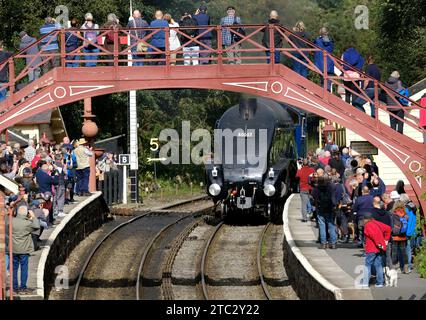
[[125, 184]]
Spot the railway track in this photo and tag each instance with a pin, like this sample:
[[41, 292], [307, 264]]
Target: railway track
[[242, 263], [111, 269]]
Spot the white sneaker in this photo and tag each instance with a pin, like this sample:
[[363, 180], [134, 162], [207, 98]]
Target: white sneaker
[[61, 214]]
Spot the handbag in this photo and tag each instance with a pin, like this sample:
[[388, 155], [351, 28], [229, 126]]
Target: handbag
[[235, 37], [142, 47]]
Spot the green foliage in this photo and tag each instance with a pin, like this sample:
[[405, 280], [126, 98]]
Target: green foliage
[[402, 37], [420, 260]]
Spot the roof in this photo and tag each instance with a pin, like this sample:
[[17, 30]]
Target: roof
[[41, 118]]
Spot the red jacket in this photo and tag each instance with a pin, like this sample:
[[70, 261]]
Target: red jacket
[[304, 173], [376, 233]]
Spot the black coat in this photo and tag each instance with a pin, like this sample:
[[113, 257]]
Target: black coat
[[278, 39]]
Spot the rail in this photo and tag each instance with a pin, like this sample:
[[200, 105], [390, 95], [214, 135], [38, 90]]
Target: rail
[[140, 46]]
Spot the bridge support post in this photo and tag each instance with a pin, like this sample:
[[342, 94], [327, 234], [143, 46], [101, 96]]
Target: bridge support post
[[90, 130]]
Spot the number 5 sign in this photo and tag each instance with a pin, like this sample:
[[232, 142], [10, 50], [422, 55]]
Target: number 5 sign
[[124, 159]]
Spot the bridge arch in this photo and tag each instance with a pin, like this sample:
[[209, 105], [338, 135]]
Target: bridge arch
[[276, 87]]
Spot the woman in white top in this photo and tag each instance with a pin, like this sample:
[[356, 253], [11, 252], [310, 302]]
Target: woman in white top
[[173, 39]]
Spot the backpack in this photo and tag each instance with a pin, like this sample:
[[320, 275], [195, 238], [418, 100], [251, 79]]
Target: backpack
[[406, 93], [346, 199], [399, 225], [91, 36], [235, 37], [110, 37]]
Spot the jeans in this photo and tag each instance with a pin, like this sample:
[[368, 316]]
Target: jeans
[[323, 219], [349, 96], [91, 58], [387, 259], [20, 260], [7, 261], [370, 94], [52, 63], [299, 67], [395, 123], [277, 56], [208, 43], [399, 248], [83, 180], [408, 251], [72, 64], [59, 200], [234, 56], [33, 74], [191, 57], [3, 92], [329, 82], [343, 222], [360, 227], [304, 195], [136, 58], [158, 56], [376, 260]]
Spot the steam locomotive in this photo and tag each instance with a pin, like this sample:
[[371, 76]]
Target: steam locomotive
[[257, 171]]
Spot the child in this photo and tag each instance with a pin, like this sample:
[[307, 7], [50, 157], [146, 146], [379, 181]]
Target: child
[[377, 235]]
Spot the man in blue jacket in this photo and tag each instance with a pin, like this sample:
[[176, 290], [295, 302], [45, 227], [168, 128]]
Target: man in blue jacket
[[158, 39], [44, 179], [49, 45], [203, 19], [362, 206], [353, 58], [326, 42]]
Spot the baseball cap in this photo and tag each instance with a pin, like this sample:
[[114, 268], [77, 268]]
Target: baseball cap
[[395, 195], [26, 171]]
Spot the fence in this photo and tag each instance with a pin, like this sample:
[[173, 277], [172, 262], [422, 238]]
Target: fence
[[112, 186]]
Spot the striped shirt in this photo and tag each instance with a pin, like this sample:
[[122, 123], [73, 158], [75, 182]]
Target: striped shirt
[[46, 29], [226, 34]]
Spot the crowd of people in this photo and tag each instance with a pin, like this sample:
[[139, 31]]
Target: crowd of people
[[342, 191], [50, 177], [197, 52]]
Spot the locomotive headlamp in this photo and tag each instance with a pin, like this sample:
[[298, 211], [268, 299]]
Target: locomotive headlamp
[[214, 172], [271, 173], [214, 189], [269, 190]]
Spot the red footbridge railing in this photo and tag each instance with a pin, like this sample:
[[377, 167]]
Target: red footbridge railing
[[250, 49]]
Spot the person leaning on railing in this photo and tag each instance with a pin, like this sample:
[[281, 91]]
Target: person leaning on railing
[[229, 38], [113, 24], [190, 51], [159, 38], [72, 43], [395, 84], [325, 42], [136, 21], [4, 72], [32, 60], [92, 36], [278, 40], [174, 42], [203, 19], [49, 45]]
